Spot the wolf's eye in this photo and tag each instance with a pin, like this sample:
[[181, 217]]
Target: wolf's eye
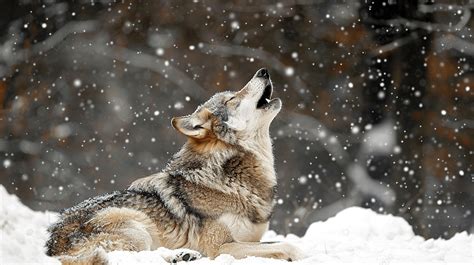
[[197, 127], [229, 100]]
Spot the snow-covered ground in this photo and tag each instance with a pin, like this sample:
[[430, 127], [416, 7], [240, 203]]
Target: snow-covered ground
[[354, 235]]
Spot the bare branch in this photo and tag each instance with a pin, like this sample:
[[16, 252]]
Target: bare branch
[[269, 7], [74, 27], [448, 42], [442, 7], [461, 124], [416, 24], [155, 64], [387, 48]]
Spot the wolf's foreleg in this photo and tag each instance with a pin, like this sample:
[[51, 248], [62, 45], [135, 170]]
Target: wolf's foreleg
[[217, 240], [241, 250]]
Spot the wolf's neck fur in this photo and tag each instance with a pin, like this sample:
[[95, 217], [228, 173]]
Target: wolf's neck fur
[[204, 162], [261, 147]]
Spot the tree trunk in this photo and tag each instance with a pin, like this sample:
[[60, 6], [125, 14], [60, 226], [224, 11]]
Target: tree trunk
[[395, 88]]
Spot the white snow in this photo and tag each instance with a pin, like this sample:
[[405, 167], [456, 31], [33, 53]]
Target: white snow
[[354, 235], [22, 232]]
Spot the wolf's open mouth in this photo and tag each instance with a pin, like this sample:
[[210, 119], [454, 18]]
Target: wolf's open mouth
[[266, 96]]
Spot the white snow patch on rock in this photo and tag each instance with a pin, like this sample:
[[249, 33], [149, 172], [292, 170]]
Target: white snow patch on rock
[[380, 139], [353, 235]]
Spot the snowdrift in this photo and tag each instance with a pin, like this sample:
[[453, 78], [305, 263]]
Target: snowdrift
[[354, 235]]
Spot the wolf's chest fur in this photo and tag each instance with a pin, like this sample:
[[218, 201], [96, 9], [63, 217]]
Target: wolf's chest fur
[[242, 229]]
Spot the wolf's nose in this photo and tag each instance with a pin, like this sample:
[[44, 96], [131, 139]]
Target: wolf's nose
[[263, 73]]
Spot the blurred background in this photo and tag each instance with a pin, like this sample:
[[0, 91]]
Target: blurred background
[[378, 99]]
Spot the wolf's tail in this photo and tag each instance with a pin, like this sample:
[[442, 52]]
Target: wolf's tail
[[96, 257]]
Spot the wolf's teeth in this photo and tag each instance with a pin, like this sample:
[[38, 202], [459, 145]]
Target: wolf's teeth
[[267, 100]]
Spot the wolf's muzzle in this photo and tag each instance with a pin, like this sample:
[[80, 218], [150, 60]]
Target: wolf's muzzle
[[263, 73]]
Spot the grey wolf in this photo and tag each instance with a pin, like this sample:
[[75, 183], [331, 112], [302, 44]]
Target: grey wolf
[[215, 196]]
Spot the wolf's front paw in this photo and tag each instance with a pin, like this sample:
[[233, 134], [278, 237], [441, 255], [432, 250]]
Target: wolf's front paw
[[293, 253], [186, 255], [178, 255]]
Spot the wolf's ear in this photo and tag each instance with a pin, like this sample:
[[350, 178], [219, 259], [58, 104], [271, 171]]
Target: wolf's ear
[[196, 125]]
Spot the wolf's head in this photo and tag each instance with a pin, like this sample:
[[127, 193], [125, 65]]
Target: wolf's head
[[235, 118]]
